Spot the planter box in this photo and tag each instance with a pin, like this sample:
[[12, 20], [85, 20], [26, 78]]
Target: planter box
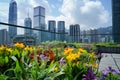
[[104, 49]]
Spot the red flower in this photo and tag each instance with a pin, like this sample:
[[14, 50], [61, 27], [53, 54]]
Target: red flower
[[49, 53]]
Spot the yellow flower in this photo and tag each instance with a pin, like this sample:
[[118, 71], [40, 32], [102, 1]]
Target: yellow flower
[[78, 54], [2, 48], [27, 48], [82, 50], [19, 45], [55, 69], [68, 51], [72, 57], [91, 54], [9, 50], [95, 65]]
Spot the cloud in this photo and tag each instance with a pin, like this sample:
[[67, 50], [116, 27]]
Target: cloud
[[91, 14], [23, 10], [53, 6], [4, 12], [88, 13], [25, 6], [59, 18]]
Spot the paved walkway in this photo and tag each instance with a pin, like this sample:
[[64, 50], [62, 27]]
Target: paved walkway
[[112, 60]]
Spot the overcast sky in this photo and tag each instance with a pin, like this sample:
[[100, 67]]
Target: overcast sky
[[88, 13]]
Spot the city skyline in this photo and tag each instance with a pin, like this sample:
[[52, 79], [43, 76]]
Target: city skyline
[[61, 12]]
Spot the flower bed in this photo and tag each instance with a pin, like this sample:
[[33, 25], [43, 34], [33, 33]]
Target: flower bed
[[20, 62]]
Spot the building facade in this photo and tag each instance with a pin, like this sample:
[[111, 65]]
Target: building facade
[[27, 40], [85, 37], [28, 23], [93, 36], [75, 33], [39, 23], [12, 18], [116, 20], [52, 30], [61, 31], [4, 37]]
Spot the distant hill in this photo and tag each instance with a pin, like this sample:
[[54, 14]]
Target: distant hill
[[106, 30]]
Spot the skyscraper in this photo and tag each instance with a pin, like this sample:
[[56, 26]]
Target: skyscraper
[[28, 23], [12, 18], [116, 20], [75, 33], [61, 30], [93, 36], [4, 37], [52, 29], [39, 23]]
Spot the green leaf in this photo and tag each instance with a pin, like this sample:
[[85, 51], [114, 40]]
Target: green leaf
[[14, 58], [17, 68], [77, 75], [6, 59], [58, 74], [9, 70], [3, 77], [1, 60], [51, 67], [48, 78]]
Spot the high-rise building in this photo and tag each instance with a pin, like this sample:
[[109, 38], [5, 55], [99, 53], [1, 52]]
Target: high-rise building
[[75, 33], [28, 23], [93, 36], [12, 18], [27, 40], [116, 20], [61, 31], [4, 37], [85, 37], [39, 23], [52, 29]]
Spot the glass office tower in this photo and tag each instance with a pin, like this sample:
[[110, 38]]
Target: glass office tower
[[61, 30], [75, 33], [116, 20], [52, 29], [28, 23], [39, 23], [12, 18]]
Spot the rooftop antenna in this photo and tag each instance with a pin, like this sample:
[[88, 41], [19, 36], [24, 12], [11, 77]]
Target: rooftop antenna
[[28, 13]]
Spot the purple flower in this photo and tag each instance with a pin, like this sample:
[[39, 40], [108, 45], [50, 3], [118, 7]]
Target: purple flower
[[101, 78], [89, 76], [105, 72], [43, 57], [108, 71], [87, 66], [115, 72], [61, 61]]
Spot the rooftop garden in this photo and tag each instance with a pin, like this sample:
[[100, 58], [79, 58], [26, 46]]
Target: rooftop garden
[[53, 61]]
